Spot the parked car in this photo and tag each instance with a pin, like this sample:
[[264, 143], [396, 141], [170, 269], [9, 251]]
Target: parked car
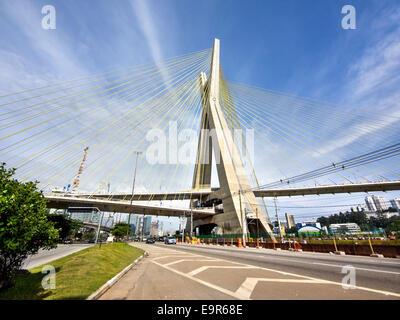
[[92, 241], [170, 240], [136, 239], [144, 239], [150, 240], [68, 241], [161, 239]]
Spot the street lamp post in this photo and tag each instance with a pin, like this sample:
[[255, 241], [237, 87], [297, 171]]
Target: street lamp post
[[133, 190]]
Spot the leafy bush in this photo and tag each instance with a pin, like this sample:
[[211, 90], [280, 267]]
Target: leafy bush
[[24, 227]]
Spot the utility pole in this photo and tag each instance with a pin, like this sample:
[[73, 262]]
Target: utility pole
[[277, 217], [133, 190]]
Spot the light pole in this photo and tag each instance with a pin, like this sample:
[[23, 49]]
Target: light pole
[[133, 190], [277, 217]]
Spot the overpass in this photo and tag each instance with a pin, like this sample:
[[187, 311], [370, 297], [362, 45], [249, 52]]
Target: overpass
[[382, 186], [64, 202]]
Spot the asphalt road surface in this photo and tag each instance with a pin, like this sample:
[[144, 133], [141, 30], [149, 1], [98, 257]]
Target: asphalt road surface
[[192, 272], [45, 256]]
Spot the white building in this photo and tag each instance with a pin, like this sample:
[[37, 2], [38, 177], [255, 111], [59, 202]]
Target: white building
[[395, 203], [370, 203], [289, 221], [349, 228], [381, 203], [385, 214]]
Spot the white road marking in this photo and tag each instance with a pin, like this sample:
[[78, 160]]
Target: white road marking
[[225, 291], [315, 279], [248, 285], [182, 260], [341, 266], [172, 256], [305, 262], [201, 269]]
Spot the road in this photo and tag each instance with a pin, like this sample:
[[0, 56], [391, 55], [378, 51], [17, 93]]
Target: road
[[45, 256], [192, 272]]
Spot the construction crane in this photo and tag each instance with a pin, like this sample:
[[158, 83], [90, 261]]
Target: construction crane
[[75, 184]]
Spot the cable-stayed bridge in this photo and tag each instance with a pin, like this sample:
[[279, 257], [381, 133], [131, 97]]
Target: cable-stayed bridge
[[199, 133]]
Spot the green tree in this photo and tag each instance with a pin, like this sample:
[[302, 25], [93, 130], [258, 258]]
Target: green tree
[[120, 230], [292, 230], [24, 227], [65, 225], [393, 225]]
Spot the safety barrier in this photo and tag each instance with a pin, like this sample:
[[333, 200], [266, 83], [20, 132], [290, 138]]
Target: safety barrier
[[389, 251]]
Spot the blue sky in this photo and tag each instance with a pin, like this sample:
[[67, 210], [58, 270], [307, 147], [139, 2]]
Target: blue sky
[[293, 46]]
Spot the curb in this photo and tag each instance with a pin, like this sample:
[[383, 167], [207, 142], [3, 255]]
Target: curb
[[99, 292]]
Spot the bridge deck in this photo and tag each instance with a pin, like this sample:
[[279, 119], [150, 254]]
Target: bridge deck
[[61, 202], [288, 192]]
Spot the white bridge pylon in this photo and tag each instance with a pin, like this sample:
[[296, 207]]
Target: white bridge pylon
[[238, 206]]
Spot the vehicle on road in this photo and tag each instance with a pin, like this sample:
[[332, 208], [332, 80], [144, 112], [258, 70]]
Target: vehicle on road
[[150, 240], [68, 241], [170, 240]]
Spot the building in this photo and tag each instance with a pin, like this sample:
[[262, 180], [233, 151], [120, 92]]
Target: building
[[344, 228], [154, 229], [359, 208], [134, 224], [395, 204], [309, 224], [147, 225], [309, 231], [381, 203], [370, 203], [384, 214], [289, 221]]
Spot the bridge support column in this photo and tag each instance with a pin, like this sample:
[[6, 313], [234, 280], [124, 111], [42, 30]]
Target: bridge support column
[[216, 135]]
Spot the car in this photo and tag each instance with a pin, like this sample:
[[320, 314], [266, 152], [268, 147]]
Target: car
[[136, 239], [144, 239], [150, 240], [161, 239], [92, 241], [68, 241], [170, 240]]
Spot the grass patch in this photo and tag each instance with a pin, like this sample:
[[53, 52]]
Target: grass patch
[[77, 275]]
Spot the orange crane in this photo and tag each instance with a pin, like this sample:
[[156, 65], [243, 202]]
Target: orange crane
[[75, 184]]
